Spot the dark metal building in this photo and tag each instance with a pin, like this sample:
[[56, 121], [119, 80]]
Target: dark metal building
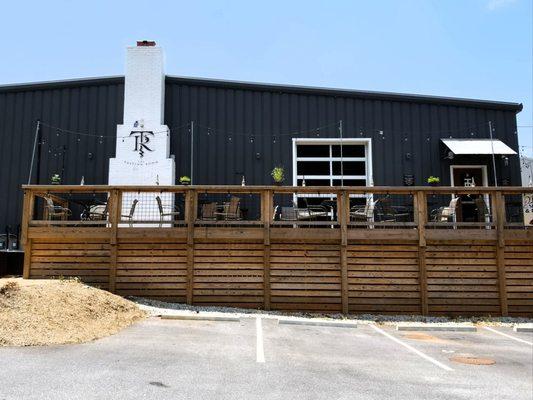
[[245, 129]]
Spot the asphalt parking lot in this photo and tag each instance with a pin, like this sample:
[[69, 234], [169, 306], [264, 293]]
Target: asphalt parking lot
[[257, 358]]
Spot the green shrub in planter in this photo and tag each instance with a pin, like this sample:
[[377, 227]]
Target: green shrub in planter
[[55, 179], [185, 180], [278, 174], [433, 180]]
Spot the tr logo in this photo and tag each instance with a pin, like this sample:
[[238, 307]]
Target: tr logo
[[142, 138]]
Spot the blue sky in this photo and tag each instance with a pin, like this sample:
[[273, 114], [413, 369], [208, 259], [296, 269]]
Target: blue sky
[[463, 48]]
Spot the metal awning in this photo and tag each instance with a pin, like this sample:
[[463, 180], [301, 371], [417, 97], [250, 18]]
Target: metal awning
[[478, 146]]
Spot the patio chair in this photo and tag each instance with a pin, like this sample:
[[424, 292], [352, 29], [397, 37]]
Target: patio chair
[[162, 213], [364, 213], [308, 213], [443, 214], [208, 212], [483, 213], [98, 212], [54, 211], [231, 211], [314, 211], [389, 213], [129, 217], [289, 214], [275, 212]]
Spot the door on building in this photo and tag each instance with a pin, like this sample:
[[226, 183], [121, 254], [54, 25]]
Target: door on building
[[470, 208]]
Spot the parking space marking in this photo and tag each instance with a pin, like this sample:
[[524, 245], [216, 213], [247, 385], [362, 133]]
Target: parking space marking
[[418, 352], [508, 336], [260, 352]]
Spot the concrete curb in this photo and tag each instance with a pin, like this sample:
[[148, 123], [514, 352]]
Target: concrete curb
[[335, 324], [200, 317], [436, 328], [523, 328]]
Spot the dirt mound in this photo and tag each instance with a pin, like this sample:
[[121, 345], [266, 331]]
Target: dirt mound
[[42, 312]]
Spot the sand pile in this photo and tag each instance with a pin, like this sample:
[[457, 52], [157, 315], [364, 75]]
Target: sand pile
[[42, 312]]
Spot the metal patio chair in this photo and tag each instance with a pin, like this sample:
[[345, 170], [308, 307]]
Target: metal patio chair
[[314, 211], [483, 213], [444, 214], [54, 211], [389, 213], [231, 210], [162, 213], [98, 212], [208, 212], [364, 213], [129, 217]]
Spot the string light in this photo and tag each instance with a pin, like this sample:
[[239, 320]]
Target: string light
[[69, 131]]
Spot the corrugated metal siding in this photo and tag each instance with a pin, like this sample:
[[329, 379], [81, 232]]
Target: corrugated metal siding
[[261, 122], [88, 106], [252, 126]]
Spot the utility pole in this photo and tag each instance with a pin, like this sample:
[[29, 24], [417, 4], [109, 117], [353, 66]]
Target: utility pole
[[192, 151], [493, 157], [35, 140]]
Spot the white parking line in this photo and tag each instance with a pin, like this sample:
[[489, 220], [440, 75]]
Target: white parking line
[[508, 336], [260, 352], [424, 356]]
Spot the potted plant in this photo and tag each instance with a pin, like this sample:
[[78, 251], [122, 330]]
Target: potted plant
[[55, 179], [185, 180], [278, 174], [433, 180]]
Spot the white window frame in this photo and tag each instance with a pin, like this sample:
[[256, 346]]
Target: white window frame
[[462, 166], [485, 180], [367, 142]]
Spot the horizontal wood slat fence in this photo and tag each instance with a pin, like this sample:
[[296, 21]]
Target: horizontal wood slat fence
[[335, 267]]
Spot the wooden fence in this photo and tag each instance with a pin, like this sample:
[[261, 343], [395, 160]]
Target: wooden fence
[[415, 267]]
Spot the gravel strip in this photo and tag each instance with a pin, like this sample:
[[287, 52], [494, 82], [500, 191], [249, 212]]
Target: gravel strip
[[158, 308]]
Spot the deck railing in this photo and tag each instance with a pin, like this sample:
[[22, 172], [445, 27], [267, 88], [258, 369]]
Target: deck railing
[[426, 250]]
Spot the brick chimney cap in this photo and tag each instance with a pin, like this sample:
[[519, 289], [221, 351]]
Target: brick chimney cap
[[148, 43]]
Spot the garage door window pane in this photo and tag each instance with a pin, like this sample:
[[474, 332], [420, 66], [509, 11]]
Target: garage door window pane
[[350, 168], [348, 150], [313, 168], [312, 150]]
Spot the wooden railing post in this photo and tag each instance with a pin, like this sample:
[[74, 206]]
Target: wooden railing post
[[266, 218], [343, 213], [421, 217], [498, 215], [190, 217], [115, 200], [27, 216]]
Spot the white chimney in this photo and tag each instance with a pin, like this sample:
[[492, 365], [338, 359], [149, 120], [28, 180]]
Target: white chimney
[[143, 143]]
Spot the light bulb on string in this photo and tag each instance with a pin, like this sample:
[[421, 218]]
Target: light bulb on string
[[274, 139], [251, 139], [101, 139]]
